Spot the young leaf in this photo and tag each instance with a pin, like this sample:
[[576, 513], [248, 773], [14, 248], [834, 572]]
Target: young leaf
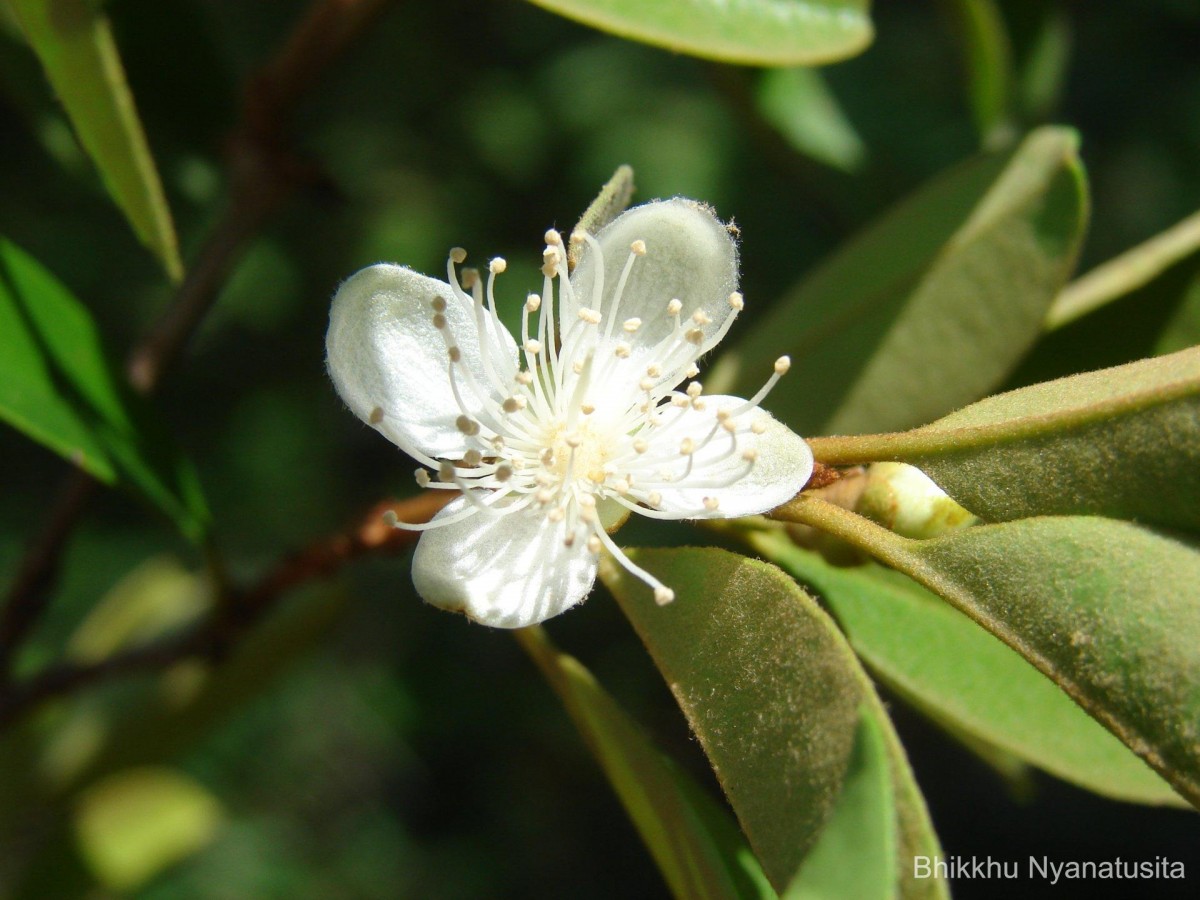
[[935, 304], [74, 42], [855, 855], [1122, 442], [1108, 610], [797, 101], [766, 681], [949, 667], [989, 65], [58, 388], [753, 32], [699, 851]]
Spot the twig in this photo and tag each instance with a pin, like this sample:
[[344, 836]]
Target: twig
[[263, 173], [212, 637]]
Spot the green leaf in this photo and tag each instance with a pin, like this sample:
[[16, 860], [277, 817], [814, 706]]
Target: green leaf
[[74, 42], [766, 681], [1108, 610], [964, 678], [989, 65], [1122, 442], [57, 387], [1126, 273], [935, 304], [754, 32], [801, 107], [134, 824], [856, 853], [699, 851]]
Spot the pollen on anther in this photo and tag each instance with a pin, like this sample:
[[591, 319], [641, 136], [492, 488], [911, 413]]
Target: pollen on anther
[[758, 427], [578, 237], [646, 384], [632, 325], [498, 265], [553, 237], [638, 248], [623, 350], [783, 364], [687, 446], [533, 302], [376, 415], [750, 455], [593, 544], [653, 371], [737, 301], [513, 404], [573, 440], [422, 477], [695, 336], [695, 389], [640, 446], [532, 347], [654, 499], [591, 316], [663, 595], [712, 503], [525, 377], [457, 254], [674, 308], [700, 317], [691, 371], [587, 408], [556, 515]]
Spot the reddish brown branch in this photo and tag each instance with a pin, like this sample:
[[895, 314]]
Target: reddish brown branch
[[232, 616], [264, 171]]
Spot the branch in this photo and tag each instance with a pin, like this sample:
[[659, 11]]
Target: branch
[[263, 173], [233, 615]]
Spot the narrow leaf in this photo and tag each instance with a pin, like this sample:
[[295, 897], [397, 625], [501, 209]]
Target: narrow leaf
[[964, 678], [1108, 610], [1126, 273], [935, 304], [57, 387], [856, 853], [799, 104], [766, 681], [699, 851], [988, 63], [754, 32], [74, 42], [1122, 442]]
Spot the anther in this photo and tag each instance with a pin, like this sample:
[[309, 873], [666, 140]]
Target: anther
[[439, 321], [663, 595], [472, 458], [783, 364], [593, 544], [623, 350], [390, 518], [578, 237], [586, 408], [497, 265], [438, 304], [638, 248], [455, 354], [632, 325], [422, 477], [621, 486], [553, 237], [557, 515], [445, 471], [654, 499], [687, 446], [691, 371], [750, 455], [711, 503], [700, 317], [551, 256], [525, 377], [457, 255], [758, 426], [467, 426], [513, 404], [674, 308], [640, 446], [737, 301], [533, 302], [695, 336], [532, 347], [469, 278], [653, 371], [544, 496], [646, 384], [695, 389], [376, 415], [573, 441], [503, 472], [591, 316]]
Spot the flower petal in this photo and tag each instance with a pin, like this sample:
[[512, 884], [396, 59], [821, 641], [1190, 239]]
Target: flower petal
[[690, 256], [780, 470], [504, 571], [390, 364]]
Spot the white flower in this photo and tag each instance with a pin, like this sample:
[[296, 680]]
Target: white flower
[[554, 440]]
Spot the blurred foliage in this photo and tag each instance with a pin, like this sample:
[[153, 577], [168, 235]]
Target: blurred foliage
[[393, 750]]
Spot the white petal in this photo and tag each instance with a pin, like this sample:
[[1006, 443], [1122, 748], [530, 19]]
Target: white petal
[[504, 571], [387, 359], [783, 465], [690, 256]]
